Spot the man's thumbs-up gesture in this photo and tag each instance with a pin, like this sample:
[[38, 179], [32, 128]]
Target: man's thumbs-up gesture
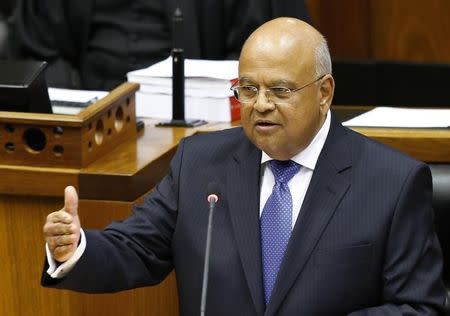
[[62, 229]]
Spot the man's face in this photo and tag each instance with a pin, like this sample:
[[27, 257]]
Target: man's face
[[281, 130]]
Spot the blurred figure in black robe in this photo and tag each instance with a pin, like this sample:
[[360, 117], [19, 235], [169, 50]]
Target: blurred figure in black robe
[[92, 44]]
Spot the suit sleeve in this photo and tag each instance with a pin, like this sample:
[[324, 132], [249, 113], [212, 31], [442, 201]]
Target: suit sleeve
[[137, 251], [413, 259], [41, 31]]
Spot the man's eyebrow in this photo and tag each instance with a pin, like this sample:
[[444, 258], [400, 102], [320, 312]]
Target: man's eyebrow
[[282, 83], [274, 83], [246, 80]]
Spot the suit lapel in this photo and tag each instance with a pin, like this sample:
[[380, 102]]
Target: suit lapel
[[325, 191], [243, 186]]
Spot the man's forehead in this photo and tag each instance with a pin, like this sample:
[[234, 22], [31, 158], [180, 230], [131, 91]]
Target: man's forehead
[[271, 55], [276, 69]]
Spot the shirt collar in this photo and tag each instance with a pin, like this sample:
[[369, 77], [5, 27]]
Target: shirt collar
[[308, 157]]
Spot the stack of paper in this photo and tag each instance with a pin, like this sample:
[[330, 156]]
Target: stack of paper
[[207, 90]]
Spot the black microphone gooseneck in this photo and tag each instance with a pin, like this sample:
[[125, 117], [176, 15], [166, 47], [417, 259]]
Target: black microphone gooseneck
[[178, 98], [212, 197], [177, 67]]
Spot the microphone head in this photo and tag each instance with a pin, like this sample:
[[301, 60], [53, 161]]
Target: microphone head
[[212, 192], [178, 14]]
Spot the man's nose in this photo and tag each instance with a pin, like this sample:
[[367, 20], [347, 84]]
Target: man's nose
[[262, 102]]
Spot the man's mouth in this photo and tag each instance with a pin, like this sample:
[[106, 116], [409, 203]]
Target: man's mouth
[[264, 125]]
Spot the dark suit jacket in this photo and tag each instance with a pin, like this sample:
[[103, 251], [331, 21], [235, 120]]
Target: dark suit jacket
[[363, 241]]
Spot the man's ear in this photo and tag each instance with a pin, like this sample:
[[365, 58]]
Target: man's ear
[[326, 93]]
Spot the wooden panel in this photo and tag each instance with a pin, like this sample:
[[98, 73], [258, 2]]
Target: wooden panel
[[345, 24], [36, 181], [35, 144], [411, 30], [408, 30], [22, 248], [429, 145], [52, 140], [137, 165], [147, 160], [108, 123], [23, 212]]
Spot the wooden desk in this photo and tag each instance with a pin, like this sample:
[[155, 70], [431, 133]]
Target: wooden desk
[[430, 145], [427, 144], [28, 194]]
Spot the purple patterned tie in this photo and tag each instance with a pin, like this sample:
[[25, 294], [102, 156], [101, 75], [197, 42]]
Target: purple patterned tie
[[276, 222]]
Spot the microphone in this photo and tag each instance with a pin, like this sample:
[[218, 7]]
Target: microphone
[[177, 67], [178, 76], [212, 198]]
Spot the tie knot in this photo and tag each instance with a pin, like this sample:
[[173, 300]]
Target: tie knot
[[284, 170]]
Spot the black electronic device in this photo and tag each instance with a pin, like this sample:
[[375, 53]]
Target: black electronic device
[[178, 97], [23, 87]]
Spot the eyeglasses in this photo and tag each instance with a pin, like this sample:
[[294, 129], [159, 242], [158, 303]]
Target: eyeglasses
[[277, 95]]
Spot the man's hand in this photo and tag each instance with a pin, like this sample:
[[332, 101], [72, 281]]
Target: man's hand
[[62, 229]]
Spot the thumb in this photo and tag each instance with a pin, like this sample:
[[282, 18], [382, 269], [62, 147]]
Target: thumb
[[71, 200]]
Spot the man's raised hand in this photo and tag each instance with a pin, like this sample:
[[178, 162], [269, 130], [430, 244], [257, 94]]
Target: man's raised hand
[[62, 228]]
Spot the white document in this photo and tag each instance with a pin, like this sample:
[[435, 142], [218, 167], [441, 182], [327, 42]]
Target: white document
[[203, 78], [71, 95], [66, 110], [207, 89], [402, 117], [155, 105], [220, 92], [193, 68]]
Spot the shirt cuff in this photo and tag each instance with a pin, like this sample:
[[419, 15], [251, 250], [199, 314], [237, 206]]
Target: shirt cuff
[[59, 271]]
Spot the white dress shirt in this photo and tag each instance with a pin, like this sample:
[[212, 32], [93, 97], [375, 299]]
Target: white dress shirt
[[297, 185]]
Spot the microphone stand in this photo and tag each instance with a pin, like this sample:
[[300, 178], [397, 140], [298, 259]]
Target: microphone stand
[[178, 99], [212, 199]]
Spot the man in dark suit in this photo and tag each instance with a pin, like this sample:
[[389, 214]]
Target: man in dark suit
[[93, 44], [6, 8], [313, 218]]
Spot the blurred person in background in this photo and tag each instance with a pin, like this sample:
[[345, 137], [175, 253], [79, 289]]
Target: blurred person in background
[[93, 44], [6, 8]]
